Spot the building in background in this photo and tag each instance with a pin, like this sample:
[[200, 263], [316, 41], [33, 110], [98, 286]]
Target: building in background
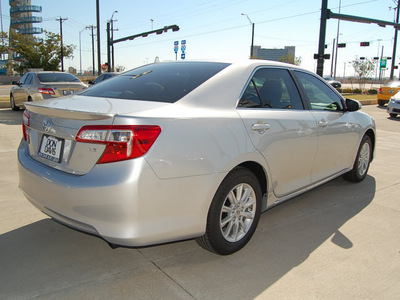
[[22, 21], [273, 54]]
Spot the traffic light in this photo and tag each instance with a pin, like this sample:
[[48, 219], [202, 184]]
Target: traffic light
[[362, 58], [396, 67], [364, 44], [342, 45]]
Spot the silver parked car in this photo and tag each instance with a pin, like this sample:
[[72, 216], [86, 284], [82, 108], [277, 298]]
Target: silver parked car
[[393, 107], [179, 150], [35, 86]]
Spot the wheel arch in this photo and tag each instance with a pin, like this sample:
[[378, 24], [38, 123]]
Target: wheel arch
[[261, 176], [371, 134]]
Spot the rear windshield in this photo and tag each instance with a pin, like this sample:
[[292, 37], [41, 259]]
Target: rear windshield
[[162, 82], [393, 84], [57, 77]]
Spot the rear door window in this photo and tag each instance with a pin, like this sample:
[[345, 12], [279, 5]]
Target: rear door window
[[271, 88]]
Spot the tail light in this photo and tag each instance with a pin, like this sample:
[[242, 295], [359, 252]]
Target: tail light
[[380, 91], [122, 141], [26, 118], [48, 91]]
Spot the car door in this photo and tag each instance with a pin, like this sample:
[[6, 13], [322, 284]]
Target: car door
[[280, 128], [336, 127]]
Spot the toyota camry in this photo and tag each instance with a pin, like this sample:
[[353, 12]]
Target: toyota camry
[[179, 150]]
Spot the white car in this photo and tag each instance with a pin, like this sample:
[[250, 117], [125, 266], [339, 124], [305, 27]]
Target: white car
[[393, 107], [179, 150]]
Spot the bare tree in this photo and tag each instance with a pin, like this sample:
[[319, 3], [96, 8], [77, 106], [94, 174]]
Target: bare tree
[[364, 68]]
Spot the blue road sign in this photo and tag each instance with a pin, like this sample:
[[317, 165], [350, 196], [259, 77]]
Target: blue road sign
[[183, 56], [176, 43]]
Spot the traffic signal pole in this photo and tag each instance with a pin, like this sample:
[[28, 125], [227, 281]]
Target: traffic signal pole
[[327, 14], [395, 43]]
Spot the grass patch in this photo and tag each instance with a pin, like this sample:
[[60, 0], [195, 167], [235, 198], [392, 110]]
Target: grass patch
[[360, 96]]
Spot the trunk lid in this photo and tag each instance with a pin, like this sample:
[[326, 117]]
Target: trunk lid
[[54, 124]]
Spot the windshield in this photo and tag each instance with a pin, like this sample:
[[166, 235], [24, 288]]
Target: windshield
[[163, 82], [393, 84], [57, 77]]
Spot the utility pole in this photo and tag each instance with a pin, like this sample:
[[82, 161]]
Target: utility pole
[[395, 42], [92, 27], [62, 47], [98, 37]]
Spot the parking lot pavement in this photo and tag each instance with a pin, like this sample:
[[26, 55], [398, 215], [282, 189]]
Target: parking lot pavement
[[339, 241]]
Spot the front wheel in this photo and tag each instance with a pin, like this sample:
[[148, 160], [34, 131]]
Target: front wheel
[[234, 213], [12, 104], [363, 159], [393, 115]]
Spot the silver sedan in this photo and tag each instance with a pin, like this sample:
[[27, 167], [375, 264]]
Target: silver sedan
[[41, 85], [179, 150], [393, 107]]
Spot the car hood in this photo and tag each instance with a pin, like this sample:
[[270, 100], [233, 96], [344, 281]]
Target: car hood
[[81, 107]]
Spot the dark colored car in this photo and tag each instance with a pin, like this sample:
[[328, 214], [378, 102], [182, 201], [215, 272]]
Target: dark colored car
[[336, 84]]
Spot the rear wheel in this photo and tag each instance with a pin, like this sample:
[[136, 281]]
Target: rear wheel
[[381, 103], [12, 103], [234, 213], [363, 159], [393, 115]]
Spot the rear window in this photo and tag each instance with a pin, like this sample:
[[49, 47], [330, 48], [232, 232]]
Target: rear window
[[393, 84], [161, 82], [57, 77]]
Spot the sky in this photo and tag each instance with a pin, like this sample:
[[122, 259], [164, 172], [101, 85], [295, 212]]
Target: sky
[[217, 30]]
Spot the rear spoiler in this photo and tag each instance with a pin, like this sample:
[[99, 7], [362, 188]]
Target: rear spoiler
[[65, 113]]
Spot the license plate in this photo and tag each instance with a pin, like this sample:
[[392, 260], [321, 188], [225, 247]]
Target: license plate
[[67, 92], [51, 148], [391, 91]]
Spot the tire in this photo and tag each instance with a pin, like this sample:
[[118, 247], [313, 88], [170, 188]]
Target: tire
[[381, 103], [12, 103], [393, 115], [231, 223], [363, 159]]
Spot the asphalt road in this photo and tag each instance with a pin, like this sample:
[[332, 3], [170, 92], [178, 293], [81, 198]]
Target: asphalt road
[[339, 241]]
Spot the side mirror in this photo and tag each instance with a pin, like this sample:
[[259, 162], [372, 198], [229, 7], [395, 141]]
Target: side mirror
[[91, 82], [14, 83], [353, 105]]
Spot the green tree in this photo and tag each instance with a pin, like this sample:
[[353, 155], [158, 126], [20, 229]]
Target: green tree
[[39, 53], [288, 58], [364, 68]]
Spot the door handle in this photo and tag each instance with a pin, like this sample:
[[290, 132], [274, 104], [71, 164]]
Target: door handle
[[260, 127], [322, 123]]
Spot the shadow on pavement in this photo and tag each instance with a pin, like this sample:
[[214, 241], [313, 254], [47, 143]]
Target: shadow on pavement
[[10, 117], [46, 258]]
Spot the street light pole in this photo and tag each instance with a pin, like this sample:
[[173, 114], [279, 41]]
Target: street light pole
[[80, 50], [112, 38], [252, 35]]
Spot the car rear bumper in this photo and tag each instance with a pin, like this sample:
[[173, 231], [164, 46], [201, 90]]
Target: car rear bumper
[[125, 203]]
